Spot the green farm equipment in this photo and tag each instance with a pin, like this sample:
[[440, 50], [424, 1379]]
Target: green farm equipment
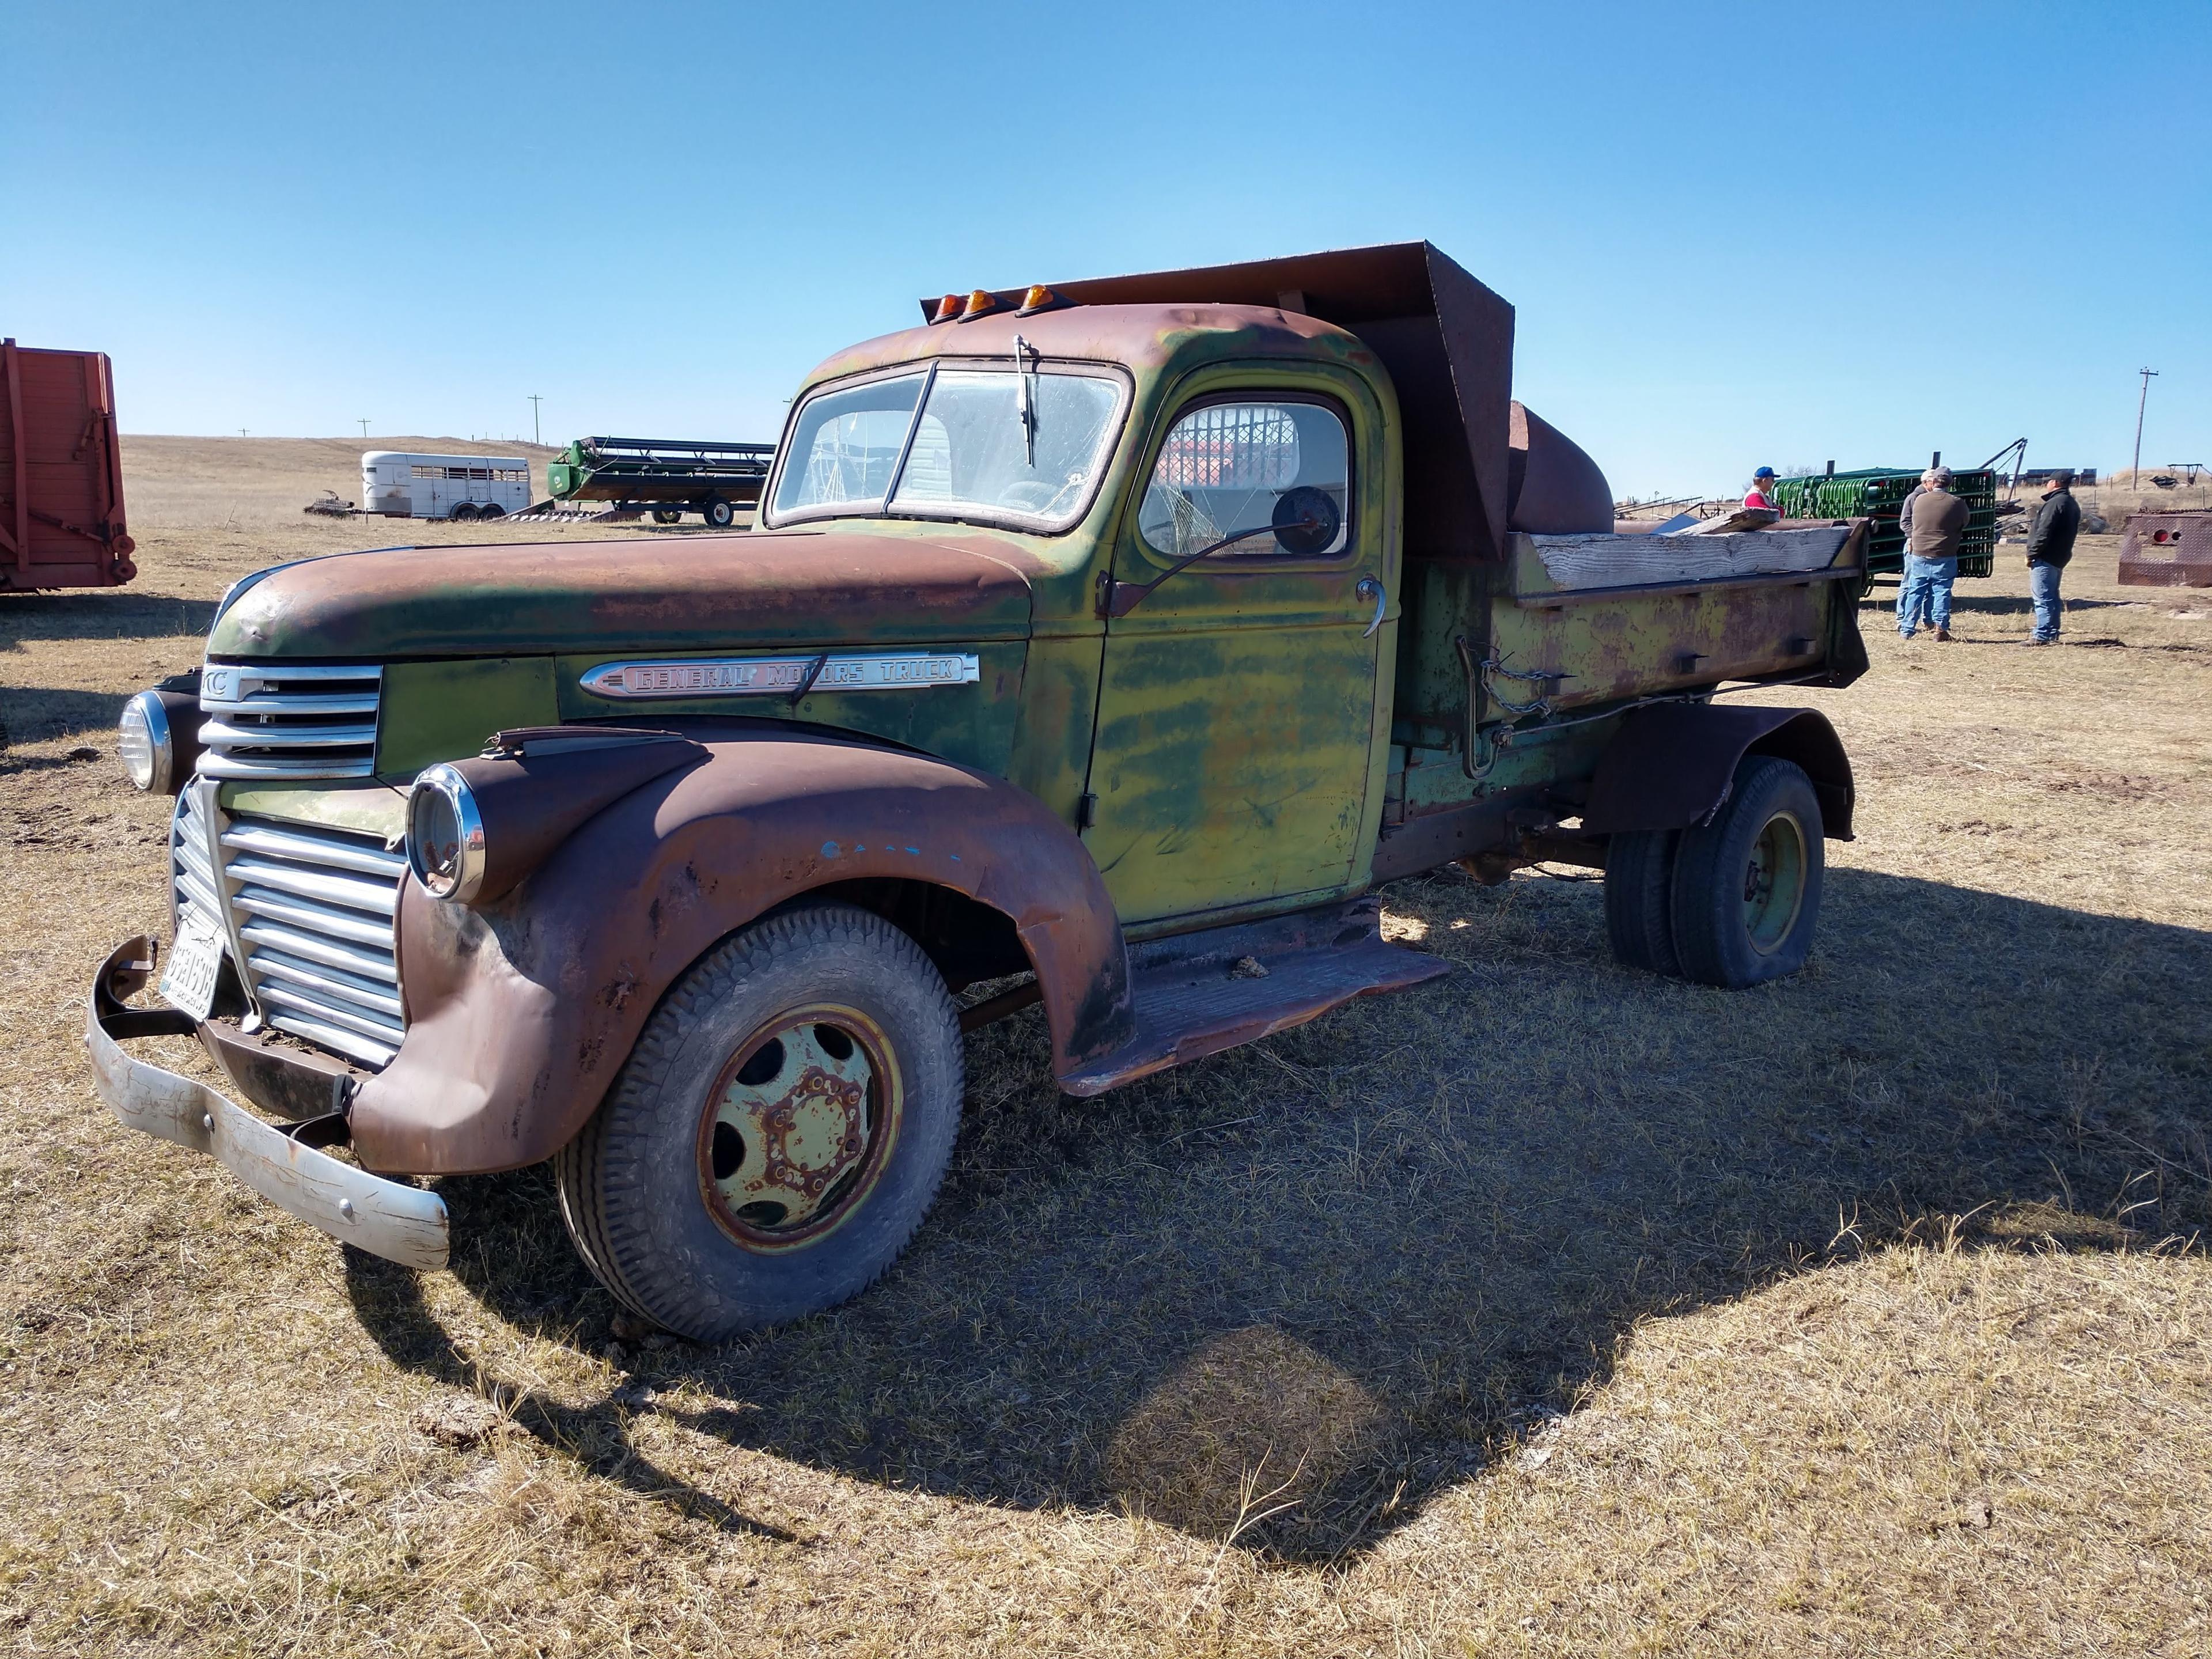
[[667, 475], [1878, 493]]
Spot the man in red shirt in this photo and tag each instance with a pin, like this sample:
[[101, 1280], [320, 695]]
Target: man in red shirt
[[1761, 491]]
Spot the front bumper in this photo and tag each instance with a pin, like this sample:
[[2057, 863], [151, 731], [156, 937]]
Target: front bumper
[[388, 1218]]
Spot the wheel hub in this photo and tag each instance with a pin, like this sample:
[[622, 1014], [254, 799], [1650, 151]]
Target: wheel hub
[[813, 1134], [791, 1126], [1774, 883]]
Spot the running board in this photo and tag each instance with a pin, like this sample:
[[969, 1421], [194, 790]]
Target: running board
[[1199, 993]]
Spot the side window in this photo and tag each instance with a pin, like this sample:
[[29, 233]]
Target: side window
[[1246, 479]]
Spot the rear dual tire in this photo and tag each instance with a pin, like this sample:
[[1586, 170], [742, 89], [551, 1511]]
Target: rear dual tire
[[1639, 867], [1732, 902]]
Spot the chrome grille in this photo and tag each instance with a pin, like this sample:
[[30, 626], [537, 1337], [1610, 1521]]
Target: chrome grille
[[289, 720], [314, 908], [190, 875]]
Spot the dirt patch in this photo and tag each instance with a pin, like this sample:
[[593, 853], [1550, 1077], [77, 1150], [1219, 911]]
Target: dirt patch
[[2111, 786]]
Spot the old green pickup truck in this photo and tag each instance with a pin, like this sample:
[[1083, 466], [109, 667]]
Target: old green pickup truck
[[1103, 644]]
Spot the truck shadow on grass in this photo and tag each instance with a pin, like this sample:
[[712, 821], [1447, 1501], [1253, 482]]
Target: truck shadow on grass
[[1286, 1295], [35, 715], [101, 613]]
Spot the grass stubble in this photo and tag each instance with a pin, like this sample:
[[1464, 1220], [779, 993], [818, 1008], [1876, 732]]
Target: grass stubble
[[1546, 1308]]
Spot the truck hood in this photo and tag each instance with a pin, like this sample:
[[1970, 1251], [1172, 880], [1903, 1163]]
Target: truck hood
[[662, 593]]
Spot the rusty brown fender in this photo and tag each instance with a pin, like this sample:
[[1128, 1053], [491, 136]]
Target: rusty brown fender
[[521, 1012], [1671, 765]]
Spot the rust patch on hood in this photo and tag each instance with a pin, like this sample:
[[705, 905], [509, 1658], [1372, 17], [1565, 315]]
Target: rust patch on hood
[[662, 594]]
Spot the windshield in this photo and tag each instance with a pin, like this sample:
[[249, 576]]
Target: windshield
[[845, 443], [987, 443]]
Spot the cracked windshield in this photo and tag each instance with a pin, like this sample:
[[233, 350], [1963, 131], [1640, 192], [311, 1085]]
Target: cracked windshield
[[1228, 470], [989, 443]]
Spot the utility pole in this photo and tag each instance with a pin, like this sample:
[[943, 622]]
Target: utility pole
[[364, 428], [241, 432], [2135, 481], [535, 436]]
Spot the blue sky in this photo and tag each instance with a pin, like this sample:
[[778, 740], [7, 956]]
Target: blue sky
[[1733, 233]]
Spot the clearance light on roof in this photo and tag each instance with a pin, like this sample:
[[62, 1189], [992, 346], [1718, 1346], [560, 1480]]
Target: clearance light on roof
[[1040, 298], [948, 310], [982, 303]]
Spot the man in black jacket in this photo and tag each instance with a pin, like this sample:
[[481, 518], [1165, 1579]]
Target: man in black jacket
[[2050, 545]]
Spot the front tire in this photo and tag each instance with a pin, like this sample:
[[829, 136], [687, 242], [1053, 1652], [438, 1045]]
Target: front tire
[[1747, 884], [667, 515], [718, 513], [778, 1133]]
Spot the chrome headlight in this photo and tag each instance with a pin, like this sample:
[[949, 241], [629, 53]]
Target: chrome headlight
[[445, 836], [143, 739]]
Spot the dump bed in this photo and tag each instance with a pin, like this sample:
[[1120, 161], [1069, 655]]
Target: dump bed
[[1611, 617], [1512, 674], [61, 472]]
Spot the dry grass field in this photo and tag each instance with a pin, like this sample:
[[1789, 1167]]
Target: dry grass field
[[1547, 1309]]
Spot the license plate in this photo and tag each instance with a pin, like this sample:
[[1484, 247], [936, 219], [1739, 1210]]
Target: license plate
[[194, 965]]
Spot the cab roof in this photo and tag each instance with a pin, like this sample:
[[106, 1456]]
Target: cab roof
[[1445, 340], [1144, 337]]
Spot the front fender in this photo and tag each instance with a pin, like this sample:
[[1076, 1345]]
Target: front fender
[[522, 1011]]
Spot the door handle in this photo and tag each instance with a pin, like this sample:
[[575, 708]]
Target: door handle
[[1368, 588]]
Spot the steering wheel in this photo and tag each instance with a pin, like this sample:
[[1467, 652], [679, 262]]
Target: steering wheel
[[1037, 496]]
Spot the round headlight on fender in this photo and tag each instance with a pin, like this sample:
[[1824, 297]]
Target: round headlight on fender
[[144, 740], [445, 836]]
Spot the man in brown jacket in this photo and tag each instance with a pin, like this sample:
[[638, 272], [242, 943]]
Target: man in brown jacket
[[1931, 555]]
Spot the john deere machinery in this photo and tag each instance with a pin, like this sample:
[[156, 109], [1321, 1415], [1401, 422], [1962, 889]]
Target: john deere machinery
[[670, 475]]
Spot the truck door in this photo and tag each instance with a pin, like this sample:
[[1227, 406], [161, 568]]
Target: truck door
[[1237, 744]]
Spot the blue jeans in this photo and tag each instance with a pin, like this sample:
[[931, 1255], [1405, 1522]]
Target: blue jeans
[[1926, 594], [2043, 587]]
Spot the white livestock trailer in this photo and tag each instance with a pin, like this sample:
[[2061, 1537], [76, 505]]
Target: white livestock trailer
[[398, 485]]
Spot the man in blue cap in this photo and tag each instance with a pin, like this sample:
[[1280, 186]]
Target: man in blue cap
[[1761, 493]]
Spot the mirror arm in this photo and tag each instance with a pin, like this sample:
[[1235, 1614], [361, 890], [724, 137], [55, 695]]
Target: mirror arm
[[1140, 592]]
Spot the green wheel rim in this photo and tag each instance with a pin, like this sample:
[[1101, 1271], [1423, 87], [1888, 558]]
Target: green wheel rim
[[798, 1127], [1774, 883]]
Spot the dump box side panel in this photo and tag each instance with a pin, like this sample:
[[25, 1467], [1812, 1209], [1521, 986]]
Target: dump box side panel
[[1596, 619], [1515, 677], [61, 472]]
